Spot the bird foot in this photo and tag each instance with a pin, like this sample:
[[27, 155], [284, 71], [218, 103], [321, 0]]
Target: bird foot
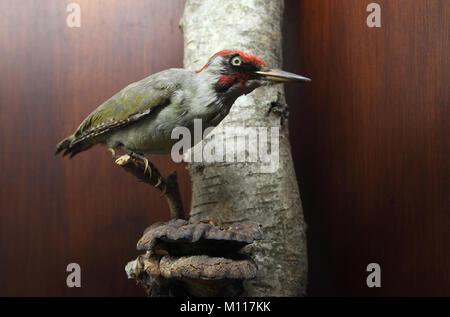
[[147, 167], [122, 160]]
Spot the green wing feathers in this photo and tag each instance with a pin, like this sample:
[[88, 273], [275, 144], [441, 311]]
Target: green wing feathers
[[127, 106]]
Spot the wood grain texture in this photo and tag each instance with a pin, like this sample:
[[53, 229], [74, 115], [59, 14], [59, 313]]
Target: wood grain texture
[[87, 210], [370, 140]]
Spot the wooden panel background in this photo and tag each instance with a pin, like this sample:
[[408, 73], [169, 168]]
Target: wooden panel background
[[369, 136], [86, 210], [371, 143]]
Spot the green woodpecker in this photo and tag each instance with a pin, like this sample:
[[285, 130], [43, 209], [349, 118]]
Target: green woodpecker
[[140, 118]]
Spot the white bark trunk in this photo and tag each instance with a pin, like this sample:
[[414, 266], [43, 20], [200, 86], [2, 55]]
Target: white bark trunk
[[226, 192]]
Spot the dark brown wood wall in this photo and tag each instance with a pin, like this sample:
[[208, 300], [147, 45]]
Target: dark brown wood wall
[[371, 143], [87, 210], [369, 137]]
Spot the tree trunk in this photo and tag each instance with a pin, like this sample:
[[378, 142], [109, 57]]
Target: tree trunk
[[229, 191]]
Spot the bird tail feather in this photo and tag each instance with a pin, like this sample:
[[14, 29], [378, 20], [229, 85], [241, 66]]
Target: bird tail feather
[[69, 146]]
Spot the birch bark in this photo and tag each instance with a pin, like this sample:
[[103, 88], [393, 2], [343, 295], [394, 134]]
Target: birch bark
[[229, 191]]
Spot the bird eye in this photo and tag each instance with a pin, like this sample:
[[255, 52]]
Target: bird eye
[[236, 61]]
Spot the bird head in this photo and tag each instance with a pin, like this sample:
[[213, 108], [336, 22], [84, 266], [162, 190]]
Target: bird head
[[240, 73]]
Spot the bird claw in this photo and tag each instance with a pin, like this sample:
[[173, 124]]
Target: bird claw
[[122, 160], [147, 167], [112, 151], [159, 182]]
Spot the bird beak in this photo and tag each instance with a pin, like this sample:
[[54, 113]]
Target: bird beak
[[278, 75]]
